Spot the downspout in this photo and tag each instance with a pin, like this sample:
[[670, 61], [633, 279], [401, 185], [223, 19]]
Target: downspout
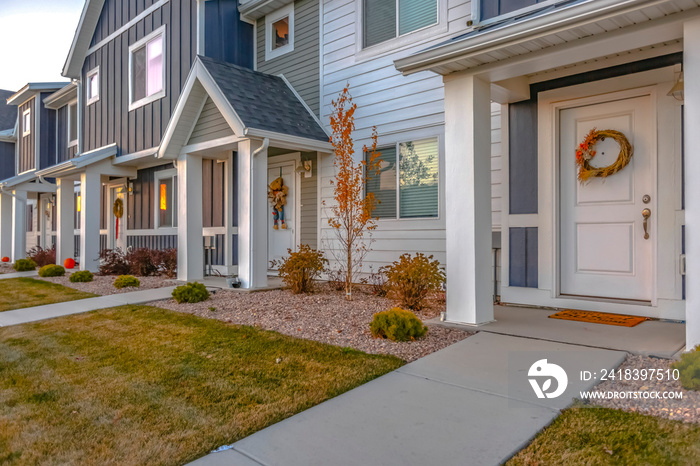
[[265, 145]]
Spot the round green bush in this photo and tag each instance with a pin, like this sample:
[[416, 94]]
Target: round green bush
[[126, 281], [397, 325], [191, 293], [52, 270], [689, 369], [24, 265], [82, 276]]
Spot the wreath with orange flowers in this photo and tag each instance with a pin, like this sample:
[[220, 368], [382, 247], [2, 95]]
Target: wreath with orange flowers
[[586, 151]]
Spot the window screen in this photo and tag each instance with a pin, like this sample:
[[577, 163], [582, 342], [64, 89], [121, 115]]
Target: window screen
[[380, 21], [383, 184], [418, 185], [138, 75], [416, 14]]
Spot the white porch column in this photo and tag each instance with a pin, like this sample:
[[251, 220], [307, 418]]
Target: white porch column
[[19, 225], [252, 214], [90, 186], [190, 245], [468, 199], [691, 70], [228, 212], [5, 225], [65, 223]]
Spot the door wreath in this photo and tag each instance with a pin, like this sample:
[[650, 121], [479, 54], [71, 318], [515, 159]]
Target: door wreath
[[118, 211], [586, 151]]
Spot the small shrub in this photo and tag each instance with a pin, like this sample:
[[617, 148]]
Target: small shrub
[[299, 269], [42, 256], [336, 279], [413, 278], [113, 262], [397, 325], [141, 262], [83, 276], [191, 293], [689, 368], [165, 261], [378, 283], [126, 281], [24, 265], [52, 270]]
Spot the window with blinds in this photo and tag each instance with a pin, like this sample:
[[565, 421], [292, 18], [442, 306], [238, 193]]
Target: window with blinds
[[409, 190], [387, 19]]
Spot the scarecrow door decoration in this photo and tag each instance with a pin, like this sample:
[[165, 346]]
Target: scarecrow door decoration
[[277, 193]]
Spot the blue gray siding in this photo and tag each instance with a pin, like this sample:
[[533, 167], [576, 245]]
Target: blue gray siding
[[7, 160], [523, 257], [47, 133], [227, 38], [109, 120], [300, 66], [522, 161], [140, 214], [152, 241], [26, 158], [63, 152]]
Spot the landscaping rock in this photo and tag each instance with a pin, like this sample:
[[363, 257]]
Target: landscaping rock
[[103, 284]]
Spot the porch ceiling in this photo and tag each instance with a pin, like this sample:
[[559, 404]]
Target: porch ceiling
[[641, 23]]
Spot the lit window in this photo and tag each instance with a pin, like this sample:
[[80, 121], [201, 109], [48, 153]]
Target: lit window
[[72, 124], [279, 31], [92, 86], [414, 192], [27, 122], [147, 69], [387, 19], [166, 189]]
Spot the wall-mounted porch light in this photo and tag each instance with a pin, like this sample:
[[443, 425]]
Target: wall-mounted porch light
[[305, 168], [677, 90]]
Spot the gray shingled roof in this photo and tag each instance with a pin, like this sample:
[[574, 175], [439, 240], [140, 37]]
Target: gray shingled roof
[[264, 101], [8, 113]]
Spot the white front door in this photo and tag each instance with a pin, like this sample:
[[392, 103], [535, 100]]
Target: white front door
[[282, 238], [603, 251], [117, 226], [46, 219]]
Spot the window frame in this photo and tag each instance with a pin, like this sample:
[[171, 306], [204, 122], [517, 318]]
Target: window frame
[[480, 22], [398, 36], [397, 146], [69, 114], [27, 128], [157, 178], [272, 18], [136, 46], [91, 99]]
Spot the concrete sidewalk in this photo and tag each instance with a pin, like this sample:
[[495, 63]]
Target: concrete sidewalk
[[470, 403], [49, 311], [29, 273]]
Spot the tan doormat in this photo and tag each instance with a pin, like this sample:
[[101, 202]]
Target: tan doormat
[[598, 317]]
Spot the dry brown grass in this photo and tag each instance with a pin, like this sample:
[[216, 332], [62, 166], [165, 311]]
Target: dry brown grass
[[143, 385], [18, 293]]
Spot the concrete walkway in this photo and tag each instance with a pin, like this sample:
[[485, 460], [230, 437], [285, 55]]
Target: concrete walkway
[[30, 273], [470, 403], [49, 311]]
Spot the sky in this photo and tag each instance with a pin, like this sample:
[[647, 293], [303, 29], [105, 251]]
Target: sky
[[35, 37]]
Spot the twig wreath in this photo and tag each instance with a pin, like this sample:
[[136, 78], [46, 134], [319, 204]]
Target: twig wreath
[[586, 151]]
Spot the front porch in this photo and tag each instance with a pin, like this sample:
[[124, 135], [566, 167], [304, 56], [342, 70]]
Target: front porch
[[616, 244]]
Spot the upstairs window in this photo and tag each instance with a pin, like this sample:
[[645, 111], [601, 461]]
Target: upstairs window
[[411, 189], [92, 86], [279, 32], [507, 8], [147, 69], [27, 122], [72, 124], [387, 19]]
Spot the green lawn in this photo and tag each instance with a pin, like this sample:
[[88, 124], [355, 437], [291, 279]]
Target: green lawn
[[601, 436], [17, 293], [143, 385]]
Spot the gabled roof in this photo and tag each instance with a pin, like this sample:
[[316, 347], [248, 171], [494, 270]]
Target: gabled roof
[[8, 113], [254, 104], [31, 89], [82, 38], [62, 97]]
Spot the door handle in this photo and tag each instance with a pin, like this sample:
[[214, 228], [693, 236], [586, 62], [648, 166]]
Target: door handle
[[646, 213]]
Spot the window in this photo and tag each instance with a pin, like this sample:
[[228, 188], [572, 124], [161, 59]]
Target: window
[[72, 124], [92, 86], [387, 19], [489, 9], [147, 69], [166, 199], [279, 32], [414, 192], [27, 122]]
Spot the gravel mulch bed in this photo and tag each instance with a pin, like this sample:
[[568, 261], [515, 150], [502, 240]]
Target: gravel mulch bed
[[103, 285], [686, 409], [324, 316], [6, 267]]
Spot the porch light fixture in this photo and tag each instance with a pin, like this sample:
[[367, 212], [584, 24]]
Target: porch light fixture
[[305, 168], [677, 90], [163, 197]]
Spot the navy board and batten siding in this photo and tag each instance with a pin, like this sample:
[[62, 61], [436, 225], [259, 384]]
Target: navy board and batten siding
[[47, 133], [140, 202], [7, 160], [301, 66], [226, 37], [26, 158], [63, 152], [523, 166]]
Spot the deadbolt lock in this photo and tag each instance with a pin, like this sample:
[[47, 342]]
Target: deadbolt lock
[[646, 199]]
